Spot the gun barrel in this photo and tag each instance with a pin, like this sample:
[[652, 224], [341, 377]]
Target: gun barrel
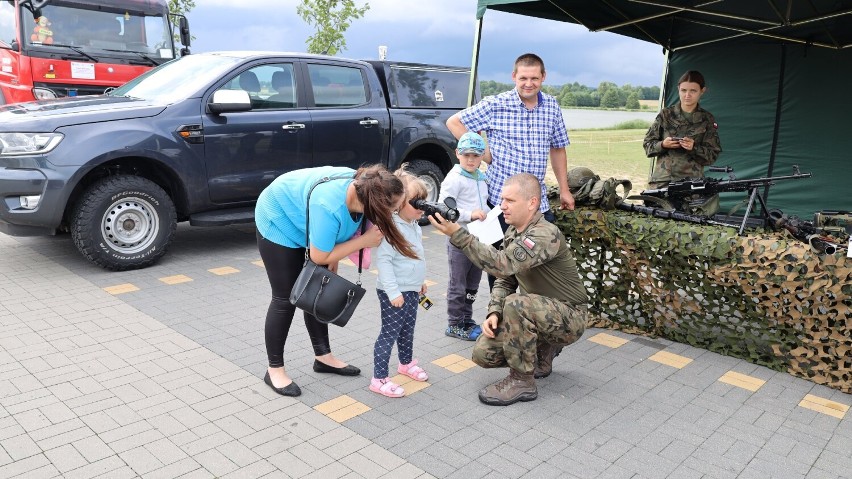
[[673, 215], [710, 186], [821, 246]]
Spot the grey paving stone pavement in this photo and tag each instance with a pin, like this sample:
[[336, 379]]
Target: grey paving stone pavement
[[165, 381]]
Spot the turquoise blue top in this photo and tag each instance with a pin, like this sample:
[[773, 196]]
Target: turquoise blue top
[[280, 211]]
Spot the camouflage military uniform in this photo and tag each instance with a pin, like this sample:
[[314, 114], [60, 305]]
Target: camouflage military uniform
[[675, 164], [550, 305]]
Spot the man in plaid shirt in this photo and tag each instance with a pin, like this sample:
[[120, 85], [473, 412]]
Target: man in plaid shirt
[[523, 126]]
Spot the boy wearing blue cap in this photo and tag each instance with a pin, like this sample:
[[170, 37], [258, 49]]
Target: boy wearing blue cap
[[467, 185]]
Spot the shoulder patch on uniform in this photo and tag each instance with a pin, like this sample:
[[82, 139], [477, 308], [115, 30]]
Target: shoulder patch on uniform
[[520, 254], [529, 243]]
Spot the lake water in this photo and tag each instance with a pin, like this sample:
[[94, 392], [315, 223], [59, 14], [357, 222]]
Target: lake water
[[579, 118]]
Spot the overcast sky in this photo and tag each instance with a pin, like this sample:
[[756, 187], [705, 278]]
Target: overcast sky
[[436, 31]]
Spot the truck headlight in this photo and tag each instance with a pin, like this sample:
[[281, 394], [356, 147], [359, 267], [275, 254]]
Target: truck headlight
[[44, 94], [13, 144]]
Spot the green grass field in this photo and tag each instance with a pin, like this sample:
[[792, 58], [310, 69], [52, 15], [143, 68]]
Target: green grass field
[[609, 153]]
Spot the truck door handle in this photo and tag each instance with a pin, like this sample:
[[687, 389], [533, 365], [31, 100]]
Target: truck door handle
[[368, 122], [293, 126]]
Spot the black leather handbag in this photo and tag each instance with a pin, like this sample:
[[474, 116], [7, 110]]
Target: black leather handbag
[[318, 291]]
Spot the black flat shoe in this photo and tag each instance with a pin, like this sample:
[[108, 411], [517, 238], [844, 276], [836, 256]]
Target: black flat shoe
[[348, 370], [291, 389]]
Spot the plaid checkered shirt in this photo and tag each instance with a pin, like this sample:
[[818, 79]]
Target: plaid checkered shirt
[[520, 139]]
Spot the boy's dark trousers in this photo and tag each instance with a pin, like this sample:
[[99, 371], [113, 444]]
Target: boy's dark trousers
[[462, 287]]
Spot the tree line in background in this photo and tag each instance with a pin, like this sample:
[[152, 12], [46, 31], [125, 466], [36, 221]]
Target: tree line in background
[[606, 95]]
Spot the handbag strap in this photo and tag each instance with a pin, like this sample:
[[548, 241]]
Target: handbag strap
[[308, 222]]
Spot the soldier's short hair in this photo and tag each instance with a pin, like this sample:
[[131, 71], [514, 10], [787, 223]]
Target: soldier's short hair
[[527, 183]]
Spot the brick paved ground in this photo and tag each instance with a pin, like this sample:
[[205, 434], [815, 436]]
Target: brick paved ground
[[156, 373]]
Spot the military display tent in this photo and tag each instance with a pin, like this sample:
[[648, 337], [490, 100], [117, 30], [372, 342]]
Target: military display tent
[[777, 73]]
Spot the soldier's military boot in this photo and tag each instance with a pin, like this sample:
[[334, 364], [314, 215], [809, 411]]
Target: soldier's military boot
[[544, 365], [515, 387], [546, 353]]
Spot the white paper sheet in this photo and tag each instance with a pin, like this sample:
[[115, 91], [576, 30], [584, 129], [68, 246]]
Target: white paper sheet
[[487, 230], [83, 71]]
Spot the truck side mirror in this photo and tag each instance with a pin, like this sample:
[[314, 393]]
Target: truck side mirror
[[226, 101], [183, 26]]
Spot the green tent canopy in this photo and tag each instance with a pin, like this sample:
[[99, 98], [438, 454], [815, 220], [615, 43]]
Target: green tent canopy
[[777, 75]]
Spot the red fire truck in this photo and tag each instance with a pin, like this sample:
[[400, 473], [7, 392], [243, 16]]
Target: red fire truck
[[57, 48]]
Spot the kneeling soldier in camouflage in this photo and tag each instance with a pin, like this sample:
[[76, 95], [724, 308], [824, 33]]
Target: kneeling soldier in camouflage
[[524, 330]]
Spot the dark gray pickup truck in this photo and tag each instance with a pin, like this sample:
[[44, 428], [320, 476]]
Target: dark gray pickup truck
[[198, 138]]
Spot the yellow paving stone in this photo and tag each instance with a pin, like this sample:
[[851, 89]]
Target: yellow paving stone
[[742, 381], [430, 283], [224, 270], [411, 386], [669, 359], [259, 263], [335, 404], [176, 279], [121, 288], [454, 363], [349, 412], [825, 406], [608, 340], [461, 366], [447, 360]]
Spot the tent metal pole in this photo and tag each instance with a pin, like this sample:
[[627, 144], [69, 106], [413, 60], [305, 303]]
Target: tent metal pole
[[662, 100], [779, 103], [474, 62]]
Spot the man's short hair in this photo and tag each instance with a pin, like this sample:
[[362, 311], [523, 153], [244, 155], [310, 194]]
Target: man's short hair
[[527, 184], [529, 60]]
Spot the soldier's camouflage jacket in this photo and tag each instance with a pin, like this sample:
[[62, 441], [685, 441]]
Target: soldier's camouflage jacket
[[538, 260], [676, 164]]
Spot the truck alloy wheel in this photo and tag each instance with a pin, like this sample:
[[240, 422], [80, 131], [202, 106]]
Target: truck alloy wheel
[[123, 222]]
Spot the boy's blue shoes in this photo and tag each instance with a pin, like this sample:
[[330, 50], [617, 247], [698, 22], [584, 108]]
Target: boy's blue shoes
[[467, 332], [474, 333]]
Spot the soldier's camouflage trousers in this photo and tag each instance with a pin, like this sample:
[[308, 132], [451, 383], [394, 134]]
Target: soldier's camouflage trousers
[[527, 320]]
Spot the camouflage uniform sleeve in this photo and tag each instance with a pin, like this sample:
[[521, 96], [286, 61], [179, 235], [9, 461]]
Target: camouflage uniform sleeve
[[502, 287], [653, 142], [708, 150], [526, 251], [535, 246]]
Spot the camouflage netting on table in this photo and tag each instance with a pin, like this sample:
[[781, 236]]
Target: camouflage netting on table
[[765, 297]]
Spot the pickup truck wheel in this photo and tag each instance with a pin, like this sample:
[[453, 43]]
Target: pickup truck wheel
[[123, 222], [431, 175]]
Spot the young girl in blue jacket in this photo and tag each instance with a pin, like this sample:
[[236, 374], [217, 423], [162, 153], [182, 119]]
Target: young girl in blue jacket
[[400, 284]]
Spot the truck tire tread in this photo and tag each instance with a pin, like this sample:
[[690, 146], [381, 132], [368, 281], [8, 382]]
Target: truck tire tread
[[89, 237]]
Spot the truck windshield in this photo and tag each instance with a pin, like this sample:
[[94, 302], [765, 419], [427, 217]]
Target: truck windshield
[[100, 29], [177, 79]]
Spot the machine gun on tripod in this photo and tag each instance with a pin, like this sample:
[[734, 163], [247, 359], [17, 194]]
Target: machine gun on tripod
[[688, 194]]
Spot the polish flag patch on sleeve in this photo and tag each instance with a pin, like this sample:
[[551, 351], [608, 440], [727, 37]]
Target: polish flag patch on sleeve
[[530, 244]]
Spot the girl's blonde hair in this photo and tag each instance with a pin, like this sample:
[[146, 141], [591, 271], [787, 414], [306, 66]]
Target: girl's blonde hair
[[380, 191], [415, 188]]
